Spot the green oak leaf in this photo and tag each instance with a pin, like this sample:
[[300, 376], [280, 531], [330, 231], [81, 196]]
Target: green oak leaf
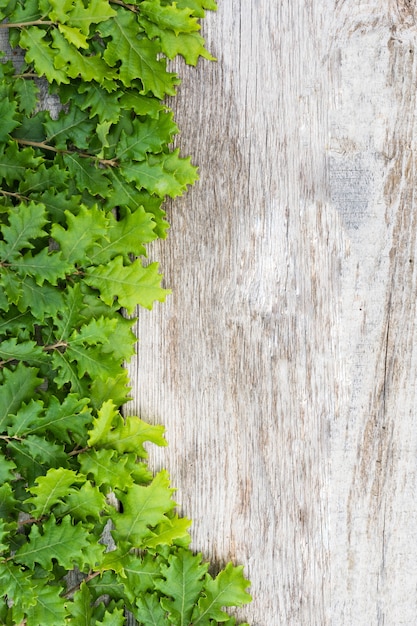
[[148, 610], [170, 17], [227, 589], [124, 434], [82, 231], [161, 174], [26, 223], [142, 507], [19, 587], [27, 92], [64, 542], [70, 128], [167, 532], [51, 489], [8, 116], [136, 56], [76, 14], [130, 284], [183, 582], [7, 468], [17, 386], [41, 54], [43, 266], [50, 608], [125, 236], [84, 503], [15, 162], [110, 470]]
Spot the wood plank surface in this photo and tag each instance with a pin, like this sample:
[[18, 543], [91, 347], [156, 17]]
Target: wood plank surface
[[284, 363]]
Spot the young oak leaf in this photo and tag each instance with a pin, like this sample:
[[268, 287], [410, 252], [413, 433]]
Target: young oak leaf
[[51, 489], [183, 582], [148, 610], [170, 17], [142, 507], [136, 56], [65, 543], [26, 224], [108, 469], [17, 386], [41, 54], [15, 162], [164, 174], [146, 136], [74, 64], [168, 532], [82, 231], [130, 284], [125, 236], [111, 430], [227, 589], [50, 608], [76, 14], [84, 504]]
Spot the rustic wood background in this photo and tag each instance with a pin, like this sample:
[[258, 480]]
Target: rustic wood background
[[284, 364]]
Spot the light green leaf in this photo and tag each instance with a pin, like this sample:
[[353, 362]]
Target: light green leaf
[[84, 503], [17, 386], [125, 236], [75, 13], [52, 489], [161, 174], [149, 611], [26, 223], [29, 351], [82, 231], [64, 542], [142, 507], [168, 531], [130, 285], [170, 17], [40, 53], [182, 584], [15, 162], [50, 609], [136, 56], [74, 36], [8, 116], [113, 471], [111, 430], [227, 589]]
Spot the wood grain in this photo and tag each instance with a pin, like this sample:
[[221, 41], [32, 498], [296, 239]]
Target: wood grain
[[284, 363]]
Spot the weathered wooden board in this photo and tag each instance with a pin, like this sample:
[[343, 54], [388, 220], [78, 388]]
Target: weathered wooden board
[[284, 363]]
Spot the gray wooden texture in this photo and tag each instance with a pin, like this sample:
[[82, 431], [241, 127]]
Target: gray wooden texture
[[284, 364]]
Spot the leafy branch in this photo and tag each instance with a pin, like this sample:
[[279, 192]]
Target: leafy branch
[[81, 197]]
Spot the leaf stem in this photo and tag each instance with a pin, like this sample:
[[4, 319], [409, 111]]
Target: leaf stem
[[46, 146], [87, 579], [23, 24], [131, 7]]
